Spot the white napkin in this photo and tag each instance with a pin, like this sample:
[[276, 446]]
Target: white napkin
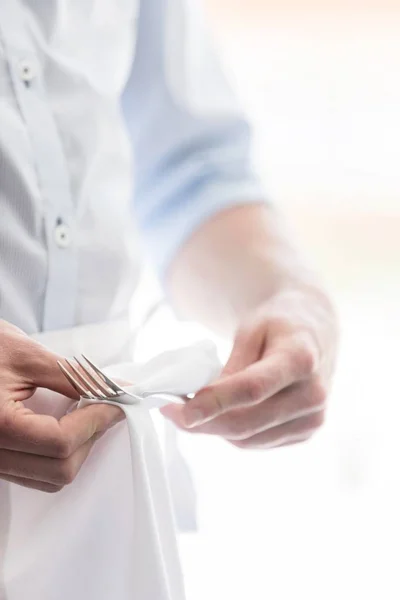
[[110, 535]]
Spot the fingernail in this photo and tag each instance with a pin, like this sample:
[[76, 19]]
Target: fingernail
[[193, 417]]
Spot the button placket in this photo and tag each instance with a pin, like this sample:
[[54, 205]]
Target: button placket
[[32, 98]]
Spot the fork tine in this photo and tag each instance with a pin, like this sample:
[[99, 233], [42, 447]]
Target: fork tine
[[75, 384], [97, 392], [111, 384], [109, 392]]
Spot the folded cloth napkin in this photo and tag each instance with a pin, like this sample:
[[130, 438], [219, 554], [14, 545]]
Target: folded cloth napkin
[[110, 535]]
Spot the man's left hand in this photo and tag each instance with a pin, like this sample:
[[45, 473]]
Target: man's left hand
[[273, 389]]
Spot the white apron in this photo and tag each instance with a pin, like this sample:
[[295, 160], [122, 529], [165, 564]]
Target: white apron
[[110, 534]]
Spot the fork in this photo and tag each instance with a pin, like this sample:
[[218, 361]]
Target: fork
[[92, 383]]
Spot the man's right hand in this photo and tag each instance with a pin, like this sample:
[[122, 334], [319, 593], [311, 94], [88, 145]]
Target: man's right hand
[[38, 451]]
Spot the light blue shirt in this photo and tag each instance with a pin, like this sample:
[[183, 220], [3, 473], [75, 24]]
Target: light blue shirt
[[67, 244]]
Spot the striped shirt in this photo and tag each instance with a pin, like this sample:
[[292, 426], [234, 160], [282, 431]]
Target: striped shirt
[[92, 92]]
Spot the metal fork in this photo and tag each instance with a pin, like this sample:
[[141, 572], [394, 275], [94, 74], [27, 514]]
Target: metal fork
[[92, 383]]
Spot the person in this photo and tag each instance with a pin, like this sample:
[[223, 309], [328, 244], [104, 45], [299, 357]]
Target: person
[[81, 83]]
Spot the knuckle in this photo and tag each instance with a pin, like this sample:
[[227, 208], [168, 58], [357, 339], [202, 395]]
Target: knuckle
[[210, 402], [255, 389], [316, 420], [62, 448], [305, 360], [217, 404], [317, 394], [319, 419], [66, 472]]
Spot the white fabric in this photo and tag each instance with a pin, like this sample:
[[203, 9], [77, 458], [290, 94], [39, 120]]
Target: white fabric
[[89, 340], [110, 535]]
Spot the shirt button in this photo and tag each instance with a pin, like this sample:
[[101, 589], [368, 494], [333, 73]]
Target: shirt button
[[27, 71], [62, 235]]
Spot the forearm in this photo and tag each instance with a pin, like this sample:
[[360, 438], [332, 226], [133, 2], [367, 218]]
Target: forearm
[[236, 262]]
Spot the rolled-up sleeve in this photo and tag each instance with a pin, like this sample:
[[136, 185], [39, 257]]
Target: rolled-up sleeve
[[191, 141]]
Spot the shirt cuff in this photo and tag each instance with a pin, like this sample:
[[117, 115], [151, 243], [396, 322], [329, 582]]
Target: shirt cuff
[[166, 233]]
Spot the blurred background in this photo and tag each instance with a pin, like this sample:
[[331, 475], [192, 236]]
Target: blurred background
[[320, 81]]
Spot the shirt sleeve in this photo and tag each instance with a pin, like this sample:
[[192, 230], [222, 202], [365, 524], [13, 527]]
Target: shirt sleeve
[[190, 139]]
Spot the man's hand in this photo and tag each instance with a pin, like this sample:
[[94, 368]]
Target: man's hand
[[37, 451], [273, 389], [240, 272]]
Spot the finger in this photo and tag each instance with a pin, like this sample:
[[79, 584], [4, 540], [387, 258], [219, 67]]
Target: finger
[[247, 349], [298, 401], [293, 442], [38, 367], [47, 374], [249, 387], [25, 431], [32, 484], [295, 431], [55, 471]]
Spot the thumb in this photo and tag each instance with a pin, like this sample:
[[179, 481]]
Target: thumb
[[42, 371], [246, 350]]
